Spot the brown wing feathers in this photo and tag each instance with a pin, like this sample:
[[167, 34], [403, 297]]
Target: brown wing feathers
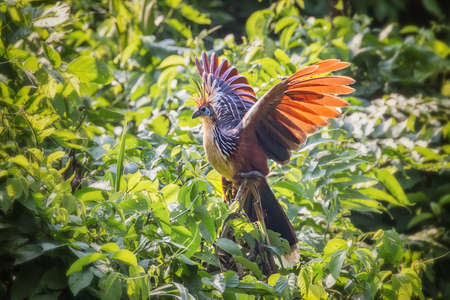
[[306, 103]]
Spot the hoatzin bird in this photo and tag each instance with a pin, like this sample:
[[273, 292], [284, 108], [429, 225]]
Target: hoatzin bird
[[242, 132]]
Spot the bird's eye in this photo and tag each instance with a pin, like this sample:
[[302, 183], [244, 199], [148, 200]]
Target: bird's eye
[[205, 111]]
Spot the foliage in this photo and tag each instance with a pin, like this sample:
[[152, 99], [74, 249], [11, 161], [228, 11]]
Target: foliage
[[105, 192]]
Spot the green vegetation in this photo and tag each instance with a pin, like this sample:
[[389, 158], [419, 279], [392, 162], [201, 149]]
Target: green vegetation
[[104, 189]]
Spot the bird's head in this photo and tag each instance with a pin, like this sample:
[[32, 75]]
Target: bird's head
[[204, 108], [203, 111]]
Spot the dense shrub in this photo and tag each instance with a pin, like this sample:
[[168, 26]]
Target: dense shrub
[[105, 192]]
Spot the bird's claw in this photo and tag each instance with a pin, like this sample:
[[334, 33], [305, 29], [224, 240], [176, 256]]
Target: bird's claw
[[250, 175]]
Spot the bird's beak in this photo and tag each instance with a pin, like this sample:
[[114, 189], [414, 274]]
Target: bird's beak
[[195, 114]]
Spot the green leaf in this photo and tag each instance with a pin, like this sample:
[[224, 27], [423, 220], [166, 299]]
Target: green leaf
[[160, 125], [252, 266], [126, 256], [173, 3], [229, 246], [170, 192], [184, 292], [14, 188], [392, 185], [18, 54], [420, 218], [433, 7], [52, 55], [257, 24], [334, 245], [119, 166], [409, 29], [282, 56], [180, 27], [172, 60], [285, 22], [20, 160], [390, 246], [110, 247], [79, 281], [380, 195], [53, 157], [363, 205], [90, 195], [282, 287], [31, 251], [90, 69], [428, 154], [53, 15], [81, 262], [112, 287], [207, 224], [193, 244], [336, 262], [286, 35], [194, 15], [217, 282], [27, 253], [271, 66], [31, 64]]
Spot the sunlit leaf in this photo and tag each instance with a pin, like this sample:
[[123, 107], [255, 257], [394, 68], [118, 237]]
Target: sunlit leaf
[[125, 256], [89, 69], [53, 16], [85, 260], [257, 24], [110, 247], [180, 27], [194, 15], [52, 55], [172, 60], [393, 186]]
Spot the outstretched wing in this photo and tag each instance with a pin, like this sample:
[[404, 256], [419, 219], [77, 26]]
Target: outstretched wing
[[297, 106]]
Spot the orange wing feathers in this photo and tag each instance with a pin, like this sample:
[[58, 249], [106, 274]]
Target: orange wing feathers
[[308, 101], [299, 105]]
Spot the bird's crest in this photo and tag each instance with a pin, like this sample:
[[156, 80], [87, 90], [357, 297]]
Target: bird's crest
[[215, 75]]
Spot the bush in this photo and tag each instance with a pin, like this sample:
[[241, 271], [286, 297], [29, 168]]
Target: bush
[[105, 192]]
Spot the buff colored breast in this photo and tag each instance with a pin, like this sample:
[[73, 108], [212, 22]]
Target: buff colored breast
[[215, 157]]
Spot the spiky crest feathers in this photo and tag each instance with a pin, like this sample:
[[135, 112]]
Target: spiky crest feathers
[[214, 74]]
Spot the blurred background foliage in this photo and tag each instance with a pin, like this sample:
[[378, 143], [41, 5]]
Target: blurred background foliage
[[104, 189]]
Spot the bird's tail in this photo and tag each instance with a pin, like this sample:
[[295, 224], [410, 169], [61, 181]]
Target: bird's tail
[[275, 219]]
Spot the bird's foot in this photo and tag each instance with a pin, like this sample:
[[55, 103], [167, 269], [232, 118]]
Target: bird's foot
[[252, 175]]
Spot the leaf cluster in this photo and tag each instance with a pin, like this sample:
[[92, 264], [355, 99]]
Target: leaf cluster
[[105, 192]]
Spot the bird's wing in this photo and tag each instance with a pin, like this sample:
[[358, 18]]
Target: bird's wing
[[297, 106]]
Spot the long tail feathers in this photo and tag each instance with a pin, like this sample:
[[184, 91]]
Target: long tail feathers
[[275, 219]]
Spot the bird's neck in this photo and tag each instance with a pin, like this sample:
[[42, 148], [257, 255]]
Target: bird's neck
[[225, 139]]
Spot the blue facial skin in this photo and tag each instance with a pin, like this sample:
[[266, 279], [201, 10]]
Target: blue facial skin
[[202, 111]]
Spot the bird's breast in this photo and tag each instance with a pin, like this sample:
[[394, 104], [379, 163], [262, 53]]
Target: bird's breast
[[216, 158]]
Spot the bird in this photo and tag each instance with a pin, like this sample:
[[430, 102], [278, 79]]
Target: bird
[[241, 132]]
